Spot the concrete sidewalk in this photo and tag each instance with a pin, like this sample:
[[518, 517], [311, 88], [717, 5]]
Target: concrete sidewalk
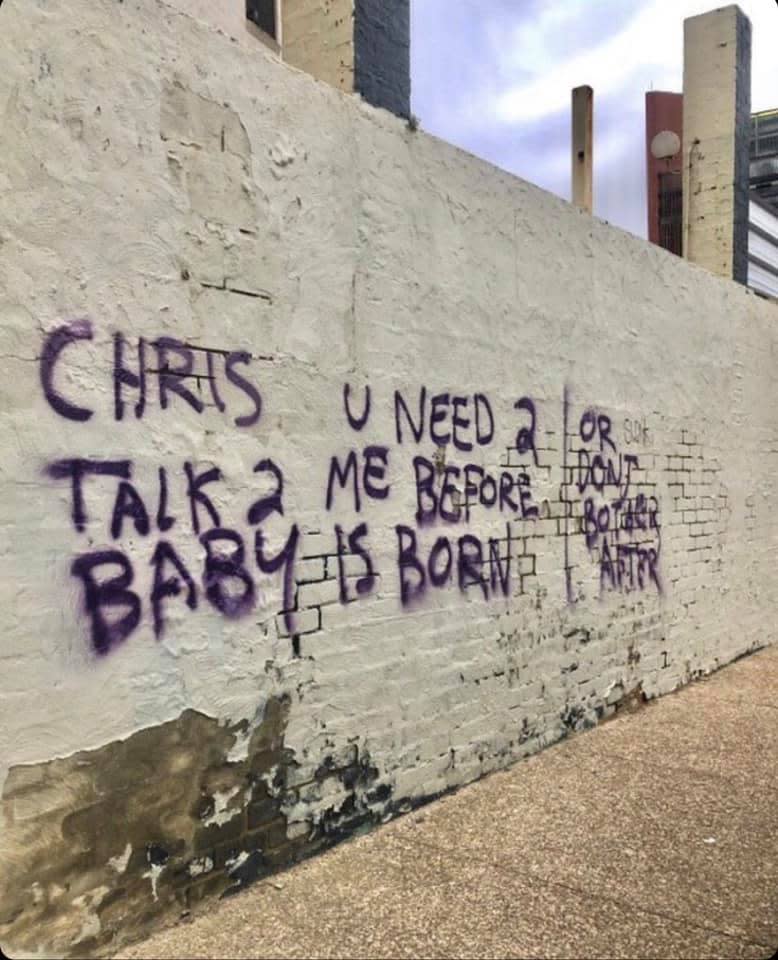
[[655, 835]]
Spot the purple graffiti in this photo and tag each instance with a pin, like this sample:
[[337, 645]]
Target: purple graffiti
[[223, 567], [164, 521], [453, 492], [108, 595], [76, 471], [620, 525], [444, 418], [260, 510], [356, 423], [197, 497], [124, 377], [182, 370], [525, 436], [53, 346], [375, 462], [353, 544], [190, 499], [474, 563], [241, 357], [165, 587]]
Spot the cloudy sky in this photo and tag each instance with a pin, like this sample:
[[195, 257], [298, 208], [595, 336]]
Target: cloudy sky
[[494, 77]]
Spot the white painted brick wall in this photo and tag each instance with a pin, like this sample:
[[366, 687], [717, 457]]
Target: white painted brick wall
[[157, 180]]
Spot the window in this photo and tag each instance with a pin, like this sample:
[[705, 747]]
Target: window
[[671, 212], [265, 15], [764, 134]]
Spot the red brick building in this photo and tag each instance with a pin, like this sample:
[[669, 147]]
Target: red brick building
[[664, 113]]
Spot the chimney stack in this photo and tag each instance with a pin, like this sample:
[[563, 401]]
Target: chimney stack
[[583, 132], [359, 46], [716, 124]]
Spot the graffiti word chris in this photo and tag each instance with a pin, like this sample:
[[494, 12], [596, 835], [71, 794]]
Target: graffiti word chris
[[197, 377]]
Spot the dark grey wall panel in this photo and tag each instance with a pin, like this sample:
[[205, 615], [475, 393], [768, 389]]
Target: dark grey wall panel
[[382, 53], [742, 149]]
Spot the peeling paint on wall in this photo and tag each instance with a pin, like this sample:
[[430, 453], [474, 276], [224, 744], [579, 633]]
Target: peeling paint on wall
[[198, 824]]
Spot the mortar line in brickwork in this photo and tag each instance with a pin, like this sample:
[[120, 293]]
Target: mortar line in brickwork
[[224, 287], [565, 415], [254, 294]]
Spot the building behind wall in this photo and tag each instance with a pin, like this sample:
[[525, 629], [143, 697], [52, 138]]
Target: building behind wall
[[358, 46], [732, 165], [764, 158], [664, 114], [716, 111], [763, 205]]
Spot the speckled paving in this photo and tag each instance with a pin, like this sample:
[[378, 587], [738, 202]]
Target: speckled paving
[[654, 835]]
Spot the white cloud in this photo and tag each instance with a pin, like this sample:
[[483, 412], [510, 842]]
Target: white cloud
[[650, 44], [530, 46], [509, 75]]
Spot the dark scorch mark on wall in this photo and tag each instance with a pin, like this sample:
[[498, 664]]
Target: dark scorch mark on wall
[[162, 785]]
